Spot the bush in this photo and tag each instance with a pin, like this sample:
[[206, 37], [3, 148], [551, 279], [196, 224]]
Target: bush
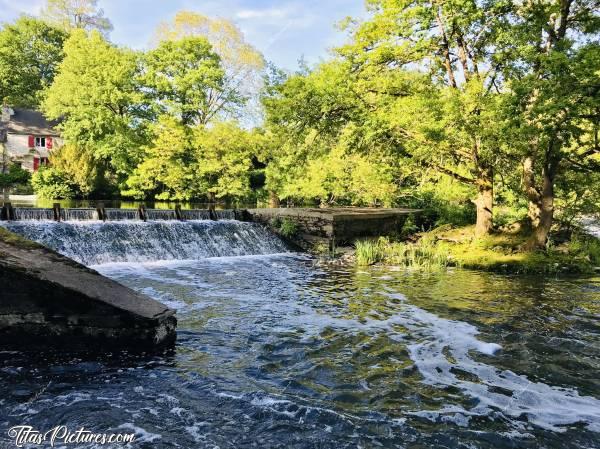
[[51, 183], [288, 228], [15, 176]]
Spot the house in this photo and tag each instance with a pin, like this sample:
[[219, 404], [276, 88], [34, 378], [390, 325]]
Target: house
[[27, 136]]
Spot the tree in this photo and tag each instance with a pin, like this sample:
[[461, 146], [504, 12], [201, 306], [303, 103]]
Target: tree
[[554, 74], [76, 14], [243, 64], [30, 52], [184, 78], [184, 163], [97, 98], [167, 169], [11, 176], [328, 144], [224, 155], [444, 110]]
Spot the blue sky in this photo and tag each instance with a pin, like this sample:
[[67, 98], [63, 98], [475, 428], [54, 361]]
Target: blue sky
[[283, 30]]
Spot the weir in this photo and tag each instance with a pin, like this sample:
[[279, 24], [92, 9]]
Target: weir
[[93, 242], [57, 213]]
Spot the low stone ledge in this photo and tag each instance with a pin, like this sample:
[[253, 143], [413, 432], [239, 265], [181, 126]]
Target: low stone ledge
[[47, 298]]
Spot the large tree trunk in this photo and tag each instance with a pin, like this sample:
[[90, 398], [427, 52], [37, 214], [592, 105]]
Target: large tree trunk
[[484, 202], [273, 200], [545, 214], [541, 202], [485, 205]]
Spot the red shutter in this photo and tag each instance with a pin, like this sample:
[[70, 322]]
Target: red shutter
[[31, 142], [36, 163], [49, 143]]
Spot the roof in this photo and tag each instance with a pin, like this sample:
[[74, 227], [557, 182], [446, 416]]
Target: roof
[[27, 121]]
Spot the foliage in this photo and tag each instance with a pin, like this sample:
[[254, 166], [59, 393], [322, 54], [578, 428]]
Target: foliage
[[76, 14], [288, 227], [368, 252], [30, 51], [185, 162], [184, 78], [78, 166], [334, 161], [425, 254], [447, 246], [14, 175], [96, 96], [242, 64], [51, 183]]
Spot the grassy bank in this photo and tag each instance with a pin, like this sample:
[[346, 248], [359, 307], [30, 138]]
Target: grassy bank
[[501, 252]]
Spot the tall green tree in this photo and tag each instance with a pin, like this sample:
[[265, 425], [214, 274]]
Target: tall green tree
[[444, 109], [69, 15], [97, 98], [328, 144], [554, 80], [189, 162], [243, 65], [30, 52], [184, 78]]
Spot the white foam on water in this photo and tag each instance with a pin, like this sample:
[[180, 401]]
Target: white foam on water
[[141, 435], [546, 406]]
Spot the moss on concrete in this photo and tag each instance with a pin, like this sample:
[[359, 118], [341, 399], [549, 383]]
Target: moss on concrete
[[13, 239]]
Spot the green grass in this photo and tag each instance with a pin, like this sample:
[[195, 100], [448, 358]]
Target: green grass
[[425, 254], [447, 246]]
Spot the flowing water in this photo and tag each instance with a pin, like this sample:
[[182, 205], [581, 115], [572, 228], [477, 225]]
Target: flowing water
[[277, 350]]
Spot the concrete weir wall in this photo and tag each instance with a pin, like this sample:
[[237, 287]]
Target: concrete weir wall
[[341, 225], [46, 298]]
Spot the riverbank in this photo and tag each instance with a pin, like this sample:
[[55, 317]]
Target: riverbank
[[501, 252]]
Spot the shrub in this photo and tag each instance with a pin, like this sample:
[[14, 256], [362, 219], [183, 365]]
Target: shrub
[[288, 228], [51, 183]]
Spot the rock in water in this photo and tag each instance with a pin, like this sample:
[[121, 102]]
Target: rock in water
[[46, 298]]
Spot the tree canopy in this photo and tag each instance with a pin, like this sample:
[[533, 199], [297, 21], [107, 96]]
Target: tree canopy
[[69, 15], [30, 51]]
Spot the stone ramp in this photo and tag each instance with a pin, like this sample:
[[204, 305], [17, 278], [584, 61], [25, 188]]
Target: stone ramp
[[48, 298]]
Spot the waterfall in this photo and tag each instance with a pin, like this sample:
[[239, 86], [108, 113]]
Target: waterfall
[[121, 214], [33, 213], [160, 214], [225, 214], [78, 214], [196, 214], [94, 242]]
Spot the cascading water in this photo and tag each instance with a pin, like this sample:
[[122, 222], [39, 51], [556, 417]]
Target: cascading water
[[196, 214], [121, 214], [33, 213], [78, 214], [161, 214], [93, 243]]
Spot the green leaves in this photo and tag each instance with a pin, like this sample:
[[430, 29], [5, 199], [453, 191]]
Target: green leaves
[[30, 51], [184, 78]]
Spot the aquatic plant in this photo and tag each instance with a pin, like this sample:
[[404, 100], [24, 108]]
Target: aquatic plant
[[288, 228]]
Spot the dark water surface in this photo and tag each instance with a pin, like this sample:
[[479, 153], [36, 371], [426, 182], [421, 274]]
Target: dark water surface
[[277, 351]]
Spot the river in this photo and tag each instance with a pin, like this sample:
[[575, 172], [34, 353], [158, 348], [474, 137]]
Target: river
[[276, 350]]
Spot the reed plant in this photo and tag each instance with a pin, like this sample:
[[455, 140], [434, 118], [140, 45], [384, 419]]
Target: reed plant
[[425, 254]]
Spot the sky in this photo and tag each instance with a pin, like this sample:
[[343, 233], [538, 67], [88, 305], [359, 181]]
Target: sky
[[283, 30]]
